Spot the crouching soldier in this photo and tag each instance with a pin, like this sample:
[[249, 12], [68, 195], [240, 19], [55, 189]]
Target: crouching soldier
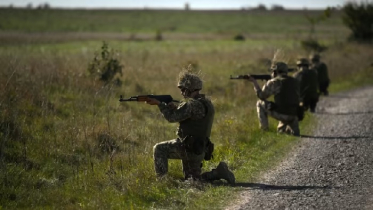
[[308, 84], [285, 107], [322, 74], [195, 117]]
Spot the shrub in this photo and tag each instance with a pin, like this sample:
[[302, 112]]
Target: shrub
[[239, 37], [359, 18], [105, 66], [158, 35]]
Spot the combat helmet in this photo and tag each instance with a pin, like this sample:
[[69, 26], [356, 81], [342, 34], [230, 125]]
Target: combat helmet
[[315, 57], [280, 67], [302, 62], [189, 81]]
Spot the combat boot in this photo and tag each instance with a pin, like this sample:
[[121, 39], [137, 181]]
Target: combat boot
[[222, 172]]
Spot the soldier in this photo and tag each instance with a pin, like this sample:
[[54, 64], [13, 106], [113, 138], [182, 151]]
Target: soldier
[[286, 95], [308, 84], [322, 73], [195, 117]]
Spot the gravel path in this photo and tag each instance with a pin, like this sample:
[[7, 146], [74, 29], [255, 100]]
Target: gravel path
[[331, 168]]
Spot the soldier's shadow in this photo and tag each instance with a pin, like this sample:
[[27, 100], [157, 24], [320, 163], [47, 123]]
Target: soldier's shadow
[[335, 137], [343, 113], [346, 96], [259, 186]]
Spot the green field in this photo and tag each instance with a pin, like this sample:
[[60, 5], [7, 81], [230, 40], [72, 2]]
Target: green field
[[68, 143], [172, 21], [47, 25]]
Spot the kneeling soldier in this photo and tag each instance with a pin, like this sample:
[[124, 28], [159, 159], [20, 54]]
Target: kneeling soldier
[[195, 117], [286, 94]]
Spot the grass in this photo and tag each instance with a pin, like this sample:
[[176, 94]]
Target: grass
[[67, 143]]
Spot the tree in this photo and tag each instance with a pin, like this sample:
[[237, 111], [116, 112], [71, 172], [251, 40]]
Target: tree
[[311, 44], [359, 18], [186, 6], [316, 20], [277, 7], [262, 7]]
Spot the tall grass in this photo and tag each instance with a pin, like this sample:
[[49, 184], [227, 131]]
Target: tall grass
[[67, 142]]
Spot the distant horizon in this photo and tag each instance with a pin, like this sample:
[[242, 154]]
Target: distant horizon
[[164, 8], [174, 4]]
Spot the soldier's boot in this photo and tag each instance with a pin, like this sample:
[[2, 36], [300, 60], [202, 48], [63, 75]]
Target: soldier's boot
[[222, 172]]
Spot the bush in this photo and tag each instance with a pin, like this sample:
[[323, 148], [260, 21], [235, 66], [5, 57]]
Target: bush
[[359, 18], [105, 66], [239, 37], [158, 35]]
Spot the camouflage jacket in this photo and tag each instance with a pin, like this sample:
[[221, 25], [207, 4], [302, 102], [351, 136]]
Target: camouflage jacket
[[285, 90], [195, 116], [190, 109], [272, 87]]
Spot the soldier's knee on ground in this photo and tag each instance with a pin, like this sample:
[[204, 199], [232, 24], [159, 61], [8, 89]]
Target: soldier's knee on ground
[[192, 172]]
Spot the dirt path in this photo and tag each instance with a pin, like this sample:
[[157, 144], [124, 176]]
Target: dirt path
[[331, 169]]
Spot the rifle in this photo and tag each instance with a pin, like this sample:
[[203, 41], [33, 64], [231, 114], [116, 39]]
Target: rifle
[[162, 98], [265, 77], [289, 70], [262, 77]]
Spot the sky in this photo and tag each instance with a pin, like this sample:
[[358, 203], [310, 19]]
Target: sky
[[178, 4]]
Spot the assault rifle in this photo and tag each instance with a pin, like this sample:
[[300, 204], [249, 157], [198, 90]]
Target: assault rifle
[[265, 77], [262, 77], [162, 98]]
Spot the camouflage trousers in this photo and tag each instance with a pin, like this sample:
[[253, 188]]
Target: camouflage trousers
[[287, 123], [174, 149], [192, 163]]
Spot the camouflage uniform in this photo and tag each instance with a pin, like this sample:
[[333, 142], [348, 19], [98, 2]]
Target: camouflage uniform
[[308, 84], [193, 109], [283, 110], [322, 73], [195, 117]]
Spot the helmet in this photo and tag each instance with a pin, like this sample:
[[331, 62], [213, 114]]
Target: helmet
[[315, 57], [280, 67], [302, 62], [189, 81]]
